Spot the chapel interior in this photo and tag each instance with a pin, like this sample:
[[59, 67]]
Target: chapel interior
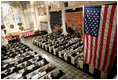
[[58, 39]]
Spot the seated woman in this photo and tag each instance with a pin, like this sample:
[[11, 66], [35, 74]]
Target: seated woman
[[39, 74], [32, 51], [9, 60], [35, 75], [42, 72], [34, 61]]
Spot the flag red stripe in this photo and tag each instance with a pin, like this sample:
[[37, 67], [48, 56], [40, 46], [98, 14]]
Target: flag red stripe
[[113, 51], [86, 55], [91, 46], [96, 40], [102, 36], [84, 42], [109, 35]]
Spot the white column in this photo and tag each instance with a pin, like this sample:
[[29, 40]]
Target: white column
[[33, 17], [48, 18], [38, 20], [63, 19], [26, 18], [23, 17], [2, 20]]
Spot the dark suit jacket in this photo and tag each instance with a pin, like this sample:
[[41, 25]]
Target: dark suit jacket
[[61, 73], [2, 68], [26, 72], [3, 75], [8, 74], [13, 55], [31, 57], [40, 58], [49, 69], [16, 69], [25, 59], [9, 65], [36, 67]]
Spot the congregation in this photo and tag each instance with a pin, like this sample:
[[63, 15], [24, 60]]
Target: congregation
[[19, 61]]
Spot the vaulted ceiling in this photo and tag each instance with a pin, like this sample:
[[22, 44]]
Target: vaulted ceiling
[[18, 4]]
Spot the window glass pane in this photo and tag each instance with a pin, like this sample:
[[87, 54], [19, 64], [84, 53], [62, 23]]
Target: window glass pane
[[18, 18], [6, 20], [12, 16]]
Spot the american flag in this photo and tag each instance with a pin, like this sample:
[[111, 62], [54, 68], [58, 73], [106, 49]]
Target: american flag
[[100, 36]]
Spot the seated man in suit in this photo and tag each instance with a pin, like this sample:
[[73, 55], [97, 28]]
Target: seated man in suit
[[31, 56], [22, 65], [8, 72], [25, 58], [26, 71], [29, 63], [9, 65], [50, 68], [13, 55], [36, 67], [53, 75], [45, 61], [3, 75], [3, 48], [60, 74], [16, 68], [39, 58], [3, 54]]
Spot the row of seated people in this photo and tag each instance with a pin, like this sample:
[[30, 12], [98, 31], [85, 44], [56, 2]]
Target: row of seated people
[[43, 32], [20, 61], [51, 39], [13, 38], [34, 33], [27, 34], [61, 46]]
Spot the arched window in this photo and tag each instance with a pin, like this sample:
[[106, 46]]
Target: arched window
[[8, 14], [18, 17], [6, 10]]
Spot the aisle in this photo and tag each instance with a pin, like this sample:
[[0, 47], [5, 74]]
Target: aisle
[[67, 68]]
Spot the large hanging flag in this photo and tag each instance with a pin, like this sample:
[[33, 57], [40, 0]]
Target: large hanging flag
[[100, 36]]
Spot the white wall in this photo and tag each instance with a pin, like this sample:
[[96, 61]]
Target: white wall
[[43, 18], [43, 22]]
